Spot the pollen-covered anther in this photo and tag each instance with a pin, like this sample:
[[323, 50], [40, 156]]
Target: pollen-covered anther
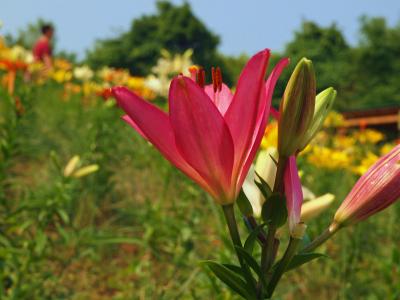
[[216, 79], [193, 70], [201, 77], [219, 79]]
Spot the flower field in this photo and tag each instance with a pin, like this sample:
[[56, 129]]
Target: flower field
[[91, 210]]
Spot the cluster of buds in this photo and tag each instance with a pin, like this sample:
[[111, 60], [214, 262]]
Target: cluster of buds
[[302, 112]]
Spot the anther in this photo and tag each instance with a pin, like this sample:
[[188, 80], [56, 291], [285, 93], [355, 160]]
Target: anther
[[219, 79], [214, 78], [201, 78]]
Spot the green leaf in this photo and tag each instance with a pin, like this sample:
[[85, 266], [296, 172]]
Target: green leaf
[[237, 269], [244, 204], [274, 210], [252, 263], [230, 278], [274, 159], [252, 238], [303, 258], [263, 186]]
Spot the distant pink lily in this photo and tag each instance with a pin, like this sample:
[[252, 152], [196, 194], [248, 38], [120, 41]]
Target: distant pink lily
[[209, 134], [373, 192]]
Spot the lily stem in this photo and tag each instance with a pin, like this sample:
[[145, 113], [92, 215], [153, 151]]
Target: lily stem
[[327, 234], [280, 172], [268, 252], [229, 214], [267, 255], [283, 264]]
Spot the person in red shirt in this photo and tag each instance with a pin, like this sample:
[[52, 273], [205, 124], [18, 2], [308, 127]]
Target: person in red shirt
[[42, 48]]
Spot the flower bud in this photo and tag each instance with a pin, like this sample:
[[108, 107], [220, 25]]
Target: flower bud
[[82, 172], [297, 108], [71, 165], [313, 208], [378, 188], [323, 104]]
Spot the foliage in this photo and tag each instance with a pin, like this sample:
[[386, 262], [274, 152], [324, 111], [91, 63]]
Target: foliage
[[365, 75], [173, 27]]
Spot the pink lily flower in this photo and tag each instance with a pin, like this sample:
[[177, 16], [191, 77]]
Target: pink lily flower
[[373, 192], [293, 193], [209, 134]]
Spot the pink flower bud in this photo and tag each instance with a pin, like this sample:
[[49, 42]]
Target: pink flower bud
[[373, 192]]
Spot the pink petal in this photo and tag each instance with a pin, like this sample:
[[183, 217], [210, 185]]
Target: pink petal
[[262, 120], [293, 192], [154, 125], [131, 123], [244, 110], [202, 135], [222, 99]]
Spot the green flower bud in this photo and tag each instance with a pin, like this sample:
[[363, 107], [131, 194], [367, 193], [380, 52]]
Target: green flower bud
[[323, 104], [297, 108]]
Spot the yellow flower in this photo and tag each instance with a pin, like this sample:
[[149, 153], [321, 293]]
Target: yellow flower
[[62, 64], [91, 88], [386, 148], [343, 141], [62, 76], [135, 83], [329, 158], [334, 119], [369, 136], [366, 162]]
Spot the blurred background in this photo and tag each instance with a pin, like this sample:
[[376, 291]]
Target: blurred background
[[89, 210]]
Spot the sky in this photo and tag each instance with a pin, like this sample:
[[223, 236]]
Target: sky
[[244, 26]]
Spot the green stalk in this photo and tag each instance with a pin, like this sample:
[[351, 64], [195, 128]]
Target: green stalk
[[229, 214], [283, 264], [327, 234], [267, 251], [267, 258], [280, 172]]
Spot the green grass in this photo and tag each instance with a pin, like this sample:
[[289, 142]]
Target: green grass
[[138, 228]]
